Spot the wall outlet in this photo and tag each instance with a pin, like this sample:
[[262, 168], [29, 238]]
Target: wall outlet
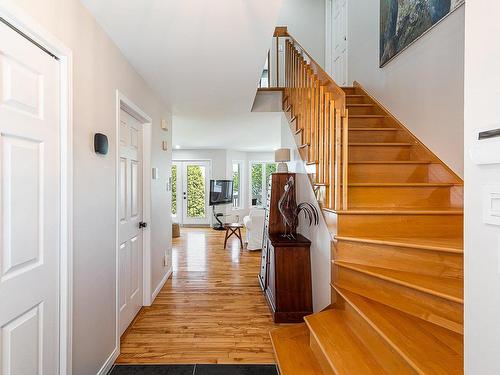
[[165, 260]]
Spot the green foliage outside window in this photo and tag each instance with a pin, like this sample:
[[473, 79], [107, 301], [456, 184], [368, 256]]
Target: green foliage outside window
[[236, 185], [257, 183], [195, 191], [174, 189], [259, 189], [270, 169]]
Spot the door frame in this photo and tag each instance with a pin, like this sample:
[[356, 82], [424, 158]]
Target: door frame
[[123, 102], [18, 18]]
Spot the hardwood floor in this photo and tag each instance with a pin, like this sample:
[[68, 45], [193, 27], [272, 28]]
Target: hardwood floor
[[210, 311]]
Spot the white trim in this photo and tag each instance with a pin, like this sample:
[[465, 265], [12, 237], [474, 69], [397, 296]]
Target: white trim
[[122, 102], [161, 284], [110, 361], [27, 25]]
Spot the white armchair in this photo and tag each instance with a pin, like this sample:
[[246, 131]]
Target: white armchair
[[254, 223]]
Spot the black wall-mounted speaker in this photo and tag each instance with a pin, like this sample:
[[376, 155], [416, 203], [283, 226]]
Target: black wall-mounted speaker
[[100, 144]]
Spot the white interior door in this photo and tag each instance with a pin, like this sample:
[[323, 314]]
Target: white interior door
[[339, 39], [130, 218], [194, 192], [29, 207]]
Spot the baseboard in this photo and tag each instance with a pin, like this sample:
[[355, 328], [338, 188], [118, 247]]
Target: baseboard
[[106, 367], [160, 285]]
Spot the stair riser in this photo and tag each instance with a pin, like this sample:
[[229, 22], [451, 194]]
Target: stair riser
[[378, 136], [358, 100], [370, 122], [389, 359], [425, 262], [392, 197], [368, 110], [351, 90], [379, 153], [304, 153], [320, 356], [388, 173], [404, 225], [436, 310]]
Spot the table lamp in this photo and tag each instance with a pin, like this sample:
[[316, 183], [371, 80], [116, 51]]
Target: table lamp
[[282, 155]]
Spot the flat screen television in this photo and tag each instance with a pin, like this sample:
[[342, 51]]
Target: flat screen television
[[221, 192]]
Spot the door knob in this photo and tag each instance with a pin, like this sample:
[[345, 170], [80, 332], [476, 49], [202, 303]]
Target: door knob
[[143, 224]]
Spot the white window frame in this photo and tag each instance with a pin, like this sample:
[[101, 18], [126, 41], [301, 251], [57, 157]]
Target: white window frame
[[240, 190], [264, 186]]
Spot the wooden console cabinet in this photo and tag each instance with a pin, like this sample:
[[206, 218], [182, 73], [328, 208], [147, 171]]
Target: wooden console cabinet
[[285, 273]]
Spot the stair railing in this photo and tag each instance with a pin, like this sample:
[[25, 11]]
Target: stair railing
[[317, 105]]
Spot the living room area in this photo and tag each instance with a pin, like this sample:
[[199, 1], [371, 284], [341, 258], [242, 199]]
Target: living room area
[[199, 177]]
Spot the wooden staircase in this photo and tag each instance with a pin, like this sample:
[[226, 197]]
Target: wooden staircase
[[396, 216]]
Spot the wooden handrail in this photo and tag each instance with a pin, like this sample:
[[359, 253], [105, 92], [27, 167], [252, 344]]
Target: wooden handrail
[[317, 106]]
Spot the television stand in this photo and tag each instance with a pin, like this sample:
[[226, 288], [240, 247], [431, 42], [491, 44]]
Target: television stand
[[219, 225]]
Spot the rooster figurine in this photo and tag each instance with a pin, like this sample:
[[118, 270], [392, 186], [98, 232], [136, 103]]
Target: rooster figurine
[[290, 211]]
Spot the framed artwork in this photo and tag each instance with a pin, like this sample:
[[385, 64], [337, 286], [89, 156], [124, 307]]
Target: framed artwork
[[404, 21]]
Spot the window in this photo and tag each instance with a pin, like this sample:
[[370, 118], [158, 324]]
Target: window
[[260, 175], [237, 191]]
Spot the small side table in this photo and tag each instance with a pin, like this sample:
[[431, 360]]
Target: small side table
[[233, 228]]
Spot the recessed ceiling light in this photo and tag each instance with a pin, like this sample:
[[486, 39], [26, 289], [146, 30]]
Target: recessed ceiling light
[[177, 146]]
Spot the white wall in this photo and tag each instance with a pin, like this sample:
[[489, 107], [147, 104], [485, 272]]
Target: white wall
[[217, 157], [423, 86], [98, 70], [318, 235], [482, 242], [306, 22]]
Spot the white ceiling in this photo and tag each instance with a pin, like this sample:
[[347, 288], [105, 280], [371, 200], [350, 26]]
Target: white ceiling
[[204, 57], [245, 132]]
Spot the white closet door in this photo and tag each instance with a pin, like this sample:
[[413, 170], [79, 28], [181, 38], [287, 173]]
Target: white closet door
[[29, 207]]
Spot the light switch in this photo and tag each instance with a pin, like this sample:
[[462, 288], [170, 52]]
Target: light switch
[[154, 173], [495, 204], [498, 255], [491, 204]]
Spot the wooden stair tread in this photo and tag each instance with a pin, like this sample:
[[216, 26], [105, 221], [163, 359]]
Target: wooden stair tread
[[404, 184], [374, 129], [367, 116], [393, 162], [449, 245], [354, 95], [447, 288], [398, 211], [360, 105], [345, 353], [292, 350], [426, 347], [382, 144]]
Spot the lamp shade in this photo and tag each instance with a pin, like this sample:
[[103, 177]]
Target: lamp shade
[[282, 155]]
